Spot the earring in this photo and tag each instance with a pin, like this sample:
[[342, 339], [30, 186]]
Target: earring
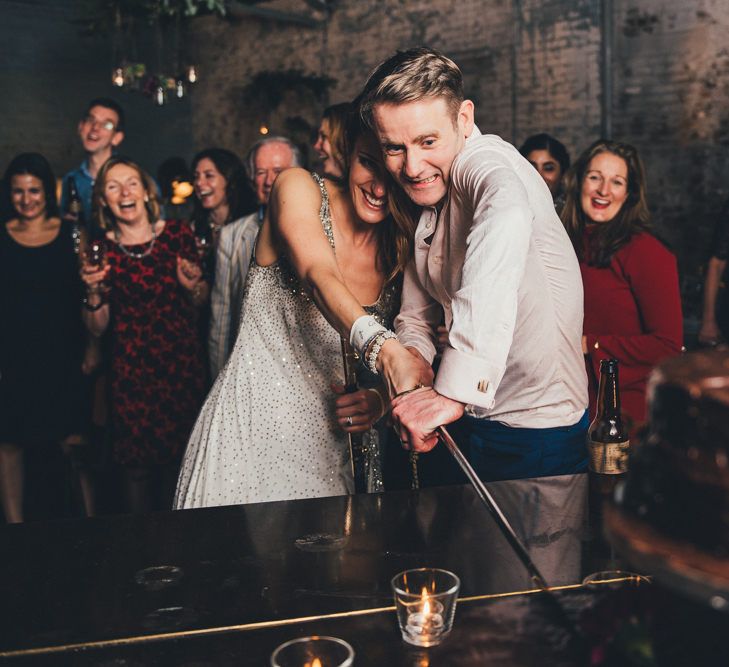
[[146, 198]]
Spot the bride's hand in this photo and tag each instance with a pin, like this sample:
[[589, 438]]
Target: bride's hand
[[358, 411]]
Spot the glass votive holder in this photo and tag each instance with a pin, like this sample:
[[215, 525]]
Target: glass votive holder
[[313, 652], [425, 600]]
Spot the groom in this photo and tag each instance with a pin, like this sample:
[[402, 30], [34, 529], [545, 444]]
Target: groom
[[490, 252]]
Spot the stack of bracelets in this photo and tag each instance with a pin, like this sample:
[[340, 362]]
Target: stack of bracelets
[[367, 336]]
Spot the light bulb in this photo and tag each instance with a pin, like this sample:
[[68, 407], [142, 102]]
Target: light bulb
[[117, 77]]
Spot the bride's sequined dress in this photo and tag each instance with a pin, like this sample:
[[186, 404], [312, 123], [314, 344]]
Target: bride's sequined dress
[[267, 430]]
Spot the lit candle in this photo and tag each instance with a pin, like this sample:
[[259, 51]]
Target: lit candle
[[314, 663], [426, 618]]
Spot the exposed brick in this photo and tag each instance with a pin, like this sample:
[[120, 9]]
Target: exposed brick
[[530, 66]]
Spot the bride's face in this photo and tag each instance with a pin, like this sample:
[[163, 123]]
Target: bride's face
[[367, 181]]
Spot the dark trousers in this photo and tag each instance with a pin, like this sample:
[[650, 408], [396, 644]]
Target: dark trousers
[[497, 451]]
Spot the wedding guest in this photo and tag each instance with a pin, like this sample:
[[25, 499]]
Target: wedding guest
[[551, 159], [44, 399], [329, 143], [265, 161], [630, 279], [222, 195], [101, 130], [148, 290]]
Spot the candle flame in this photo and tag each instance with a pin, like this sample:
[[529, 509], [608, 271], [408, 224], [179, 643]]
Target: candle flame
[[426, 601], [314, 663]]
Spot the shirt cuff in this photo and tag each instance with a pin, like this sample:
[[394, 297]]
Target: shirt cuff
[[467, 379]]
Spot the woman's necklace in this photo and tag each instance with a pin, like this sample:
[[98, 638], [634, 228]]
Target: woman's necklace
[[132, 254]]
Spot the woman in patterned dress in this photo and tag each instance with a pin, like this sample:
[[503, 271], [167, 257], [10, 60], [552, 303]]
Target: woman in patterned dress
[[270, 428], [148, 291]]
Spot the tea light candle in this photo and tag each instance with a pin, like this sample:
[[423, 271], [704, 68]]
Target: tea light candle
[[425, 603], [426, 618], [314, 651]]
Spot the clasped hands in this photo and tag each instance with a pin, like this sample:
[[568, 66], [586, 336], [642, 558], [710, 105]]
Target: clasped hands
[[417, 409]]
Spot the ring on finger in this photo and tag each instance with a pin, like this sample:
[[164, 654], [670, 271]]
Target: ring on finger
[[349, 420]]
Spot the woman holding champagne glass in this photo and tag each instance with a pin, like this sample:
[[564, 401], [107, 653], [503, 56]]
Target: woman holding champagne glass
[[43, 397], [148, 291]]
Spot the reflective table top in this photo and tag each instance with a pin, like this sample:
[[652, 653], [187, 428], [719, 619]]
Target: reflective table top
[[174, 574]]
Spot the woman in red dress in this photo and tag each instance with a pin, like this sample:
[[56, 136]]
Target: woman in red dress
[[148, 290], [632, 299]]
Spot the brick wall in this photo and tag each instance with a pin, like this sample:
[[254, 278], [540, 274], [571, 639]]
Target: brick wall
[[49, 73], [671, 94], [530, 65]]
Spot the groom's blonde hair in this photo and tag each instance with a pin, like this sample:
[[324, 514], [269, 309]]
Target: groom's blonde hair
[[410, 76]]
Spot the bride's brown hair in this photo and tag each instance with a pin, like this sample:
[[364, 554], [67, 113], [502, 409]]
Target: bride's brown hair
[[394, 234]]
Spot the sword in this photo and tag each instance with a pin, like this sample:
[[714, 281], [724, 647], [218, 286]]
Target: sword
[[501, 521], [550, 599], [355, 442]]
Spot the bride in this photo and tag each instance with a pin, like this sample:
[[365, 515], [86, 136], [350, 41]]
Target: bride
[[270, 428]]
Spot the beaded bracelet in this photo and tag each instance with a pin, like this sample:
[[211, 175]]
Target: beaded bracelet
[[376, 346], [367, 345]]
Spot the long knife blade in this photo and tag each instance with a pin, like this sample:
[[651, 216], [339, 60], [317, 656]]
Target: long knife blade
[[501, 521]]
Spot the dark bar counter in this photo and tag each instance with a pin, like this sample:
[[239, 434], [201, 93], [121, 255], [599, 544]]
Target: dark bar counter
[[233, 582]]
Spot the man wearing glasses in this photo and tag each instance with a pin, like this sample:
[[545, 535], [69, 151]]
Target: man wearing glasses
[[101, 129]]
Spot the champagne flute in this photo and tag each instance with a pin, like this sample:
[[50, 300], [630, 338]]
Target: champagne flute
[[95, 257]]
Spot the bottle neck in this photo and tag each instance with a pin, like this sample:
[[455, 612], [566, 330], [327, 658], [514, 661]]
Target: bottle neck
[[608, 398]]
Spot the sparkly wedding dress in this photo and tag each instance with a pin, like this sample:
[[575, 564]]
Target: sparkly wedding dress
[[267, 430]]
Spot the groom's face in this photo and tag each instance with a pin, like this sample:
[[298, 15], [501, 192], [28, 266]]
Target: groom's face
[[420, 140]]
